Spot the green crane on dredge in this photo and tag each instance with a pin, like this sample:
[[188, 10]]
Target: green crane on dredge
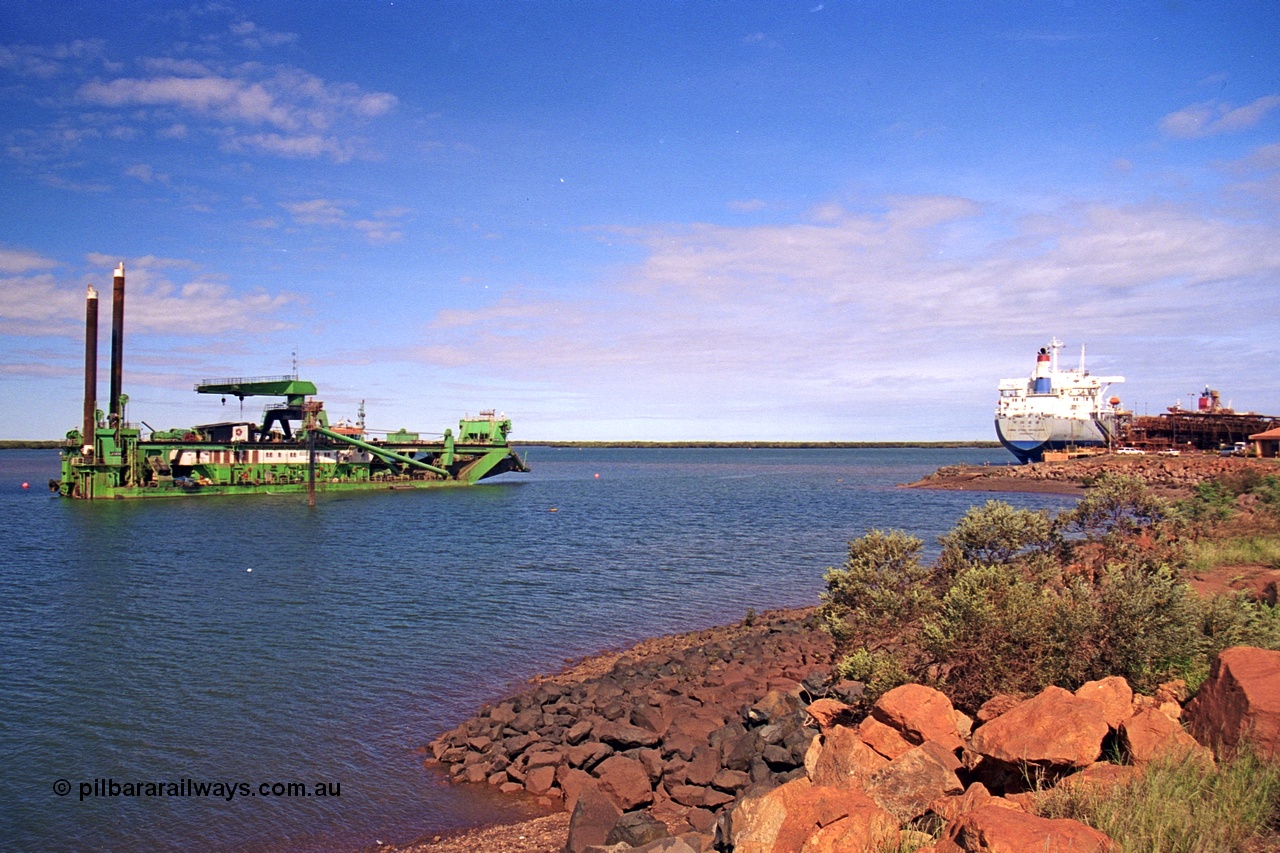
[[109, 457]]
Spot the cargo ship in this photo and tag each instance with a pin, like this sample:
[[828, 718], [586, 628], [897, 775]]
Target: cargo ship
[[293, 448], [1056, 409]]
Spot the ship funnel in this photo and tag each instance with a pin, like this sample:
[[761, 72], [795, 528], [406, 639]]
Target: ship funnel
[[1043, 383], [90, 371], [117, 345]]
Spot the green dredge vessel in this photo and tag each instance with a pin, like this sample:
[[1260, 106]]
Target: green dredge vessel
[[293, 449]]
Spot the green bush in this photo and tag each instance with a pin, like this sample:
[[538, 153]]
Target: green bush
[[996, 533], [1116, 507], [882, 588], [1019, 600], [1149, 622], [880, 671]]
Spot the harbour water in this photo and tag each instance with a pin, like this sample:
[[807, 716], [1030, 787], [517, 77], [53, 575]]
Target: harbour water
[[256, 642]]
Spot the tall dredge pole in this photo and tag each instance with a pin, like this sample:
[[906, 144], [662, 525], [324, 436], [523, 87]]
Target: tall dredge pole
[[90, 373], [116, 418]]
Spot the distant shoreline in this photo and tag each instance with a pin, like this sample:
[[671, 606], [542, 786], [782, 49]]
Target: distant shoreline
[[22, 444], [753, 445]]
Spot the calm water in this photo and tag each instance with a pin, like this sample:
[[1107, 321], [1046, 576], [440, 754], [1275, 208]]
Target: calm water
[[137, 645]]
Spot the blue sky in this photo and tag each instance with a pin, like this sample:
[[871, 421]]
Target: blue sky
[[663, 220]]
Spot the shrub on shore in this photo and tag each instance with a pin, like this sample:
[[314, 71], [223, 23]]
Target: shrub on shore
[[1019, 600]]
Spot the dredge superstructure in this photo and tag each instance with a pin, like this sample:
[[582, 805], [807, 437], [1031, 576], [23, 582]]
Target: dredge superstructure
[[293, 449]]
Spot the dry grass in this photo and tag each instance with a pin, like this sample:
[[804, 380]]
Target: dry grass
[[1175, 807]]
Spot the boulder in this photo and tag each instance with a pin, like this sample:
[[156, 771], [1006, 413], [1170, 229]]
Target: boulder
[[952, 806], [865, 830], [909, 783], [571, 782], [1240, 701], [1100, 777], [592, 820], [636, 829], [623, 736], [997, 705], [842, 760], [783, 819], [827, 712], [920, 713], [885, 740], [1151, 734], [1053, 730], [775, 705], [625, 781], [1116, 697], [995, 829], [540, 779]]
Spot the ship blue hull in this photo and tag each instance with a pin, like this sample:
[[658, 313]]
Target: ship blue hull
[[1030, 445]]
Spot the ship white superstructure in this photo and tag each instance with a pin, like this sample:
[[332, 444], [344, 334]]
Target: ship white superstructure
[[1055, 409]]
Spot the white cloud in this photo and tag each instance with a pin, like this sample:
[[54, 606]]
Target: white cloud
[[279, 110], [23, 261], [1211, 118], [823, 312], [166, 296], [382, 228]]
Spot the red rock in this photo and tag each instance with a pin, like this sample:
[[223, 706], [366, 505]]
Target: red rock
[[827, 712], [1172, 691], [997, 705], [907, 785], [784, 819], [543, 758], [587, 754], [540, 779], [865, 830], [885, 740], [688, 795], [594, 817], [625, 781], [704, 766], [1054, 729], [731, 780], [650, 718], [993, 829], [1151, 735], [951, 807], [571, 781], [1240, 701], [1100, 776], [919, 713], [1116, 697], [625, 736], [843, 760]]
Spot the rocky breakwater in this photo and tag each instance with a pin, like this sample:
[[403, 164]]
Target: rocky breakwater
[[1175, 474], [657, 741], [786, 775], [977, 784]]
